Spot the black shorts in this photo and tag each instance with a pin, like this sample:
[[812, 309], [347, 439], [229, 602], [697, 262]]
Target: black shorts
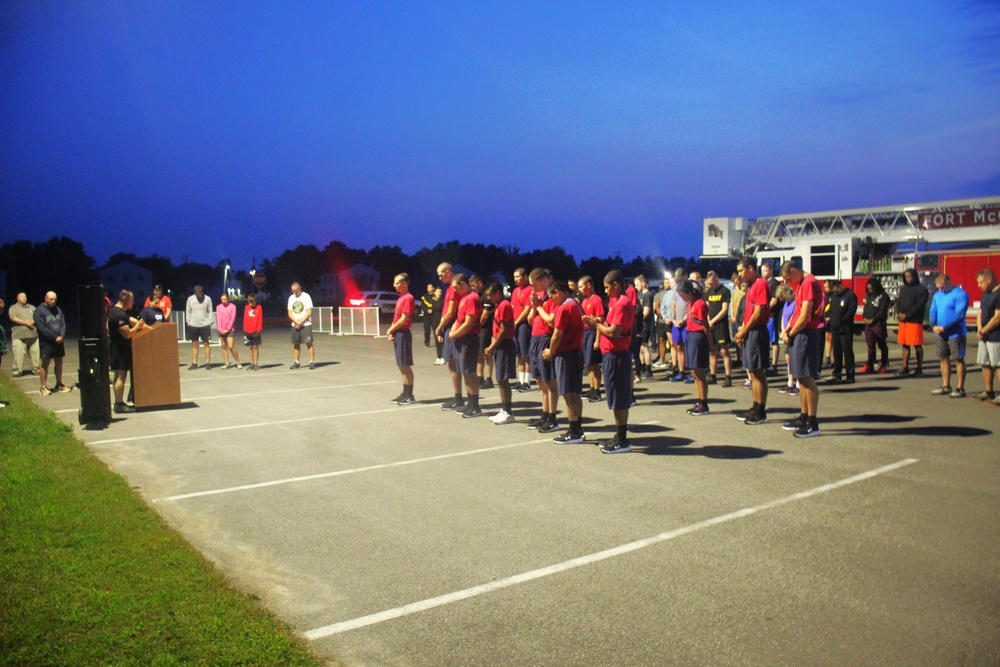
[[720, 333], [48, 348], [119, 359], [541, 369], [253, 340], [466, 353], [204, 334], [803, 354], [662, 330], [569, 372], [486, 335], [402, 344], [591, 356], [617, 368], [757, 350], [522, 339], [696, 349], [505, 360]]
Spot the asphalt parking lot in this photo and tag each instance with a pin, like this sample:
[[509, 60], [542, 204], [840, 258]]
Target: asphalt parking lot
[[392, 535]]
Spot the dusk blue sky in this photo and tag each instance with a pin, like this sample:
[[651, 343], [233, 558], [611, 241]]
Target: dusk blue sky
[[205, 130]]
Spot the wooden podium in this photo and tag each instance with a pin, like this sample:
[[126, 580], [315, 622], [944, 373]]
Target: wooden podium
[[156, 372]]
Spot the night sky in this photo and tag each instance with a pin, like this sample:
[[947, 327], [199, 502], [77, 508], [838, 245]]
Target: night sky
[[210, 130]]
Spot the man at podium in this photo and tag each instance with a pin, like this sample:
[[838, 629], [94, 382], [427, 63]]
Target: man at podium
[[120, 331]]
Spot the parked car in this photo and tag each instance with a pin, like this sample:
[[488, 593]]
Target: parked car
[[384, 301]]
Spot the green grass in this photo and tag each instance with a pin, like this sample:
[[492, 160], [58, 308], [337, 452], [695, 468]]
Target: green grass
[[90, 575]]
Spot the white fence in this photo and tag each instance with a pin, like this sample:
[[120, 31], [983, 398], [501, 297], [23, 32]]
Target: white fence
[[358, 322]]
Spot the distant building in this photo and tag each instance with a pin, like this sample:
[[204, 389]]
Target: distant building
[[126, 275], [334, 288]]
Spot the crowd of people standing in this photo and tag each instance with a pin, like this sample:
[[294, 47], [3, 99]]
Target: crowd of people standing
[[549, 334]]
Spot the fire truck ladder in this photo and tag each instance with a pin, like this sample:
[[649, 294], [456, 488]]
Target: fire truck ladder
[[887, 224]]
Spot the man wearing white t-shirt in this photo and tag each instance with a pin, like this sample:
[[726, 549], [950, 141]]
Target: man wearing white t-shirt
[[300, 308]]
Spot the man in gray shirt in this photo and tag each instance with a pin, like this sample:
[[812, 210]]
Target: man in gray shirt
[[198, 315], [24, 337]]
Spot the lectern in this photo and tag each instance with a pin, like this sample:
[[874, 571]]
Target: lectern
[[156, 372]]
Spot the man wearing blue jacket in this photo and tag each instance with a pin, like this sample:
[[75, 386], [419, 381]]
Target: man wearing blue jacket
[[50, 322], [948, 308]]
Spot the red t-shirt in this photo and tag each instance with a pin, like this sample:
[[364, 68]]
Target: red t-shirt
[[470, 304], [697, 312], [164, 304], [592, 305], [622, 313], [407, 305], [253, 319], [504, 312], [809, 290], [519, 298], [632, 295], [538, 325], [569, 319], [757, 295], [449, 296]]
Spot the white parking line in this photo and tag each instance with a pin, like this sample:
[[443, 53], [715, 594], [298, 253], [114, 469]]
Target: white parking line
[[188, 399], [338, 473], [260, 424], [423, 605]]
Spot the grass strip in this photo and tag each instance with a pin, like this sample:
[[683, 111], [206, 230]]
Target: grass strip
[[90, 575]]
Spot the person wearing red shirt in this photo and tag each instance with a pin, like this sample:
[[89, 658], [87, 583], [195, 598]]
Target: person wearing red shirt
[[754, 338], [802, 338], [503, 351], [566, 350], [402, 338], [616, 363], [465, 338], [542, 316], [253, 324], [520, 301], [592, 305], [699, 343], [443, 333], [165, 305]]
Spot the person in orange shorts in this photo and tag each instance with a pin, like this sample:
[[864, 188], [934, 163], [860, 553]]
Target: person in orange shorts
[[911, 306]]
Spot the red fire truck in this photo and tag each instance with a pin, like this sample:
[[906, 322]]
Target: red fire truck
[[957, 237]]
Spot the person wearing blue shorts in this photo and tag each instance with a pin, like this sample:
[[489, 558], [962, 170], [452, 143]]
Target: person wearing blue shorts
[[753, 336], [616, 362], [402, 338]]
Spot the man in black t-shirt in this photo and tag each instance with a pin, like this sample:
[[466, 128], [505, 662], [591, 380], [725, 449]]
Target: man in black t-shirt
[[121, 327], [719, 302]]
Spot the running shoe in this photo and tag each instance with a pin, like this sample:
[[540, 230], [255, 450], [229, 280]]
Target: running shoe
[[595, 397], [471, 411], [44, 391], [452, 403], [406, 400], [795, 424], [747, 384], [958, 393], [569, 438], [507, 418], [699, 410], [62, 389], [728, 382], [807, 431], [295, 366], [549, 427], [123, 408], [882, 370], [943, 390], [615, 446], [756, 419], [793, 391], [533, 424]]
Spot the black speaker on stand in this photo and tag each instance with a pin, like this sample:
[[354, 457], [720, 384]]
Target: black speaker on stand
[[95, 389]]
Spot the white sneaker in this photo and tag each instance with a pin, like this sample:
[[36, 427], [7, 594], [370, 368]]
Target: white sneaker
[[659, 364], [439, 362], [502, 417]]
